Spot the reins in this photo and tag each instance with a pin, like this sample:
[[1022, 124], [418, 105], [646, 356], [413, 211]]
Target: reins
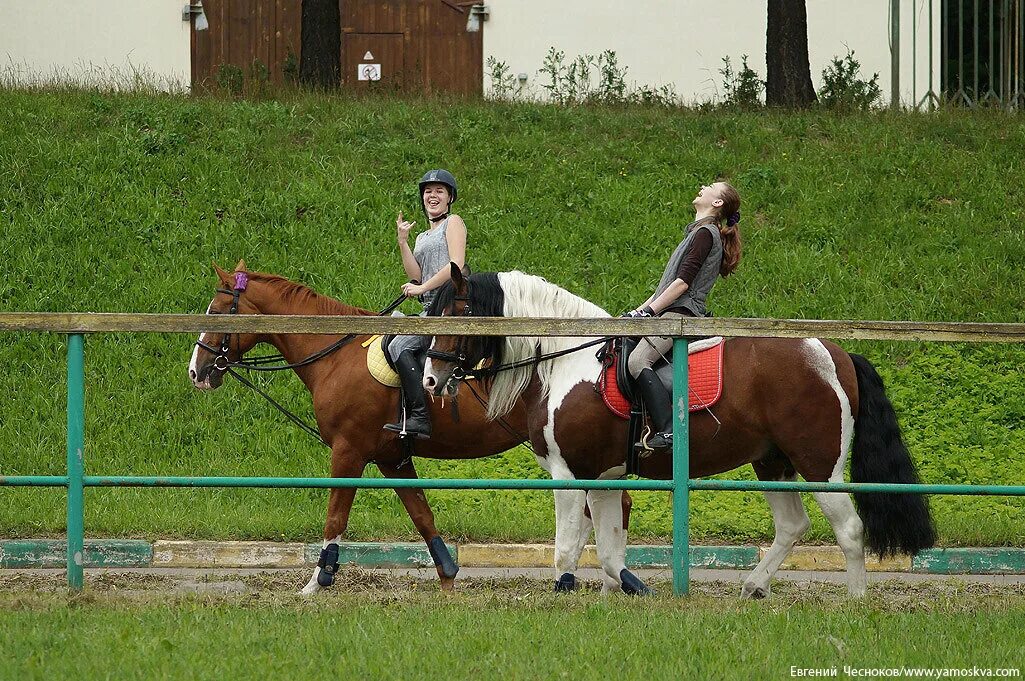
[[535, 360], [221, 362], [260, 363]]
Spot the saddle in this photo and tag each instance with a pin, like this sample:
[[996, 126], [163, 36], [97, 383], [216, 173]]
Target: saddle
[[378, 363], [704, 374]]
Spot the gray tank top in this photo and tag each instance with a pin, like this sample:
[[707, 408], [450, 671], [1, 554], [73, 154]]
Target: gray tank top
[[694, 297], [431, 253]]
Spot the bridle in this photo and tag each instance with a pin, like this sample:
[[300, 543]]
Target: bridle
[[459, 356], [221, 361]]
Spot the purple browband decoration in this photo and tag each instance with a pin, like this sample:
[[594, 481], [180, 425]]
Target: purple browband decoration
[[241, 281]]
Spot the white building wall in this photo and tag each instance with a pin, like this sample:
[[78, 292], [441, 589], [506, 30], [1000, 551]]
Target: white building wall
[[682, 42], [95, 41]]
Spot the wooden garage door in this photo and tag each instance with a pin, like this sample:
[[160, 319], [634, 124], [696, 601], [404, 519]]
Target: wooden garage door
[[242, 32], [419, 44], [437, 53]]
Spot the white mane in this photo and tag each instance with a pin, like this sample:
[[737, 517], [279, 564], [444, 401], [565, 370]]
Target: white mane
[[527, 295]]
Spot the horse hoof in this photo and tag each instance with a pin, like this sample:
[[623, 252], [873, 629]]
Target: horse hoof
[[448, 584], [754, 592], [566, 583], [311, 588], [632, 585]]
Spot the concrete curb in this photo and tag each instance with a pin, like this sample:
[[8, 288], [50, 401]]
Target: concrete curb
[[134, 553]]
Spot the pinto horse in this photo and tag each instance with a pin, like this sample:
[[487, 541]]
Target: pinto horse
[[789, 407], [351, 407]]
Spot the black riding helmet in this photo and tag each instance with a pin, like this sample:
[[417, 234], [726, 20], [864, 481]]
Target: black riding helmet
[[441, 177]]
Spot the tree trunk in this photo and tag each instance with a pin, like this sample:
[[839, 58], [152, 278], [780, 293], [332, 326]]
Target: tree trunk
[[788, 73], [320, 54]]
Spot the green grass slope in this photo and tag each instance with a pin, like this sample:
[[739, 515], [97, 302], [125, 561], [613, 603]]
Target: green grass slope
[[119, 203]]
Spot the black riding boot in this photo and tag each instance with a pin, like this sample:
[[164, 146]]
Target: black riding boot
[[658, 402], [417, 422]]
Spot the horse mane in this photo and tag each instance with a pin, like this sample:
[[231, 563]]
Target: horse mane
[[516, 294], [305, 298]]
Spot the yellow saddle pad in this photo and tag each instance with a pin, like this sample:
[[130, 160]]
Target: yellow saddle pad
[[378, 365]]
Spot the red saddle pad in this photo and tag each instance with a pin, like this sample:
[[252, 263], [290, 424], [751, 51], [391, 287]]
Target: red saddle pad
[[704, 373]]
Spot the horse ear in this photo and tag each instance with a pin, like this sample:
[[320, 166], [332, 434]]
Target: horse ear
[[221, 274], [241, 266], [458, 280]]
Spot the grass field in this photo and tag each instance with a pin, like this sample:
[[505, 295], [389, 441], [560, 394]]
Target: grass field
[[119, 202], [386, 627]]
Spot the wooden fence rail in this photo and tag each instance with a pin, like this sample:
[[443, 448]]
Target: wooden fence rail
[[111, 322]]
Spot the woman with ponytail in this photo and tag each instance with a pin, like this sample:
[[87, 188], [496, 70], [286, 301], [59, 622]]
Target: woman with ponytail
[[710, 248]]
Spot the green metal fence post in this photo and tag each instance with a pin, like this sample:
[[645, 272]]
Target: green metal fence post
[[895, 54], [76, 442], [681, 471]]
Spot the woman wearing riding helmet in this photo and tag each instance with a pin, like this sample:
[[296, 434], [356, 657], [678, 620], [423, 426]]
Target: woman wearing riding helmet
[[710, 248], [427, 262]]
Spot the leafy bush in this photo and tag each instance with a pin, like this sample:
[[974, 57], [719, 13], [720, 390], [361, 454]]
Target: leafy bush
[[741, 89], [572, 83], [503, 84], [843, 88]]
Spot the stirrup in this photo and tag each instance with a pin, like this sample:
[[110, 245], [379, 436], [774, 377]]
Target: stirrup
[[406, 433], [403, 433], [652, 442]]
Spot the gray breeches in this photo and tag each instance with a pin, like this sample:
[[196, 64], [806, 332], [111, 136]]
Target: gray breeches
[[650, 350], [401, 344]]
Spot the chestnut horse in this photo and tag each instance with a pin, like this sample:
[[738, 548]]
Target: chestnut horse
[[350, 407], [789, 407]]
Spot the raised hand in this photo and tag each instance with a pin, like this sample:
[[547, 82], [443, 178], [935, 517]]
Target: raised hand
[[402, 227]]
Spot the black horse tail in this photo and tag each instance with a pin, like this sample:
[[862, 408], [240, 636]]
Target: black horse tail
[[894, 523]]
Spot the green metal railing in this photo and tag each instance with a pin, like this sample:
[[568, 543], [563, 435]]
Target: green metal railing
[[681, 485]]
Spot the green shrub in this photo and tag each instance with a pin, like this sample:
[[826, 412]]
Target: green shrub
[[844, 89], [741, 89]]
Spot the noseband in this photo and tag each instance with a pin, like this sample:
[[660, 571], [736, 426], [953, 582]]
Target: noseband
[[221, 361]]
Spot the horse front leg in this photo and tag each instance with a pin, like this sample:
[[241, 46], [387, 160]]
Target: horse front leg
[[572, 530], [343, 465], [611, 514], [415, 501]]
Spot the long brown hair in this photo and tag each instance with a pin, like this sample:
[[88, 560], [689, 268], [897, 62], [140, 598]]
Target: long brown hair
[[728, 219]]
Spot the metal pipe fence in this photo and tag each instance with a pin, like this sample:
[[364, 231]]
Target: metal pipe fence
[[77, 325], [981, 55]]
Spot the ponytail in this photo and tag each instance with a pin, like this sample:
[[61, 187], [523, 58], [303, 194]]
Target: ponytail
[[730, 231]]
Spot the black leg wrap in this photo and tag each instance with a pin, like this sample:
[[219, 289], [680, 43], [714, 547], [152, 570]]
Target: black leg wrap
[[328, 565], [568, 582], [632, 585], [442, 558]]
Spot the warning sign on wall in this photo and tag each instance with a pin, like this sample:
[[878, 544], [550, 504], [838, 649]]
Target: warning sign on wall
[[368, 71]]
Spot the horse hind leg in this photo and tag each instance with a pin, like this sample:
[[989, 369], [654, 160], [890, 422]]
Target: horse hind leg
[[415, 502], [849, 530], [791, 521]]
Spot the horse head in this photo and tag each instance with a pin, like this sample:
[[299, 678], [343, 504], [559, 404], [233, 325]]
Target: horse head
[[451, 358], [215, 351]]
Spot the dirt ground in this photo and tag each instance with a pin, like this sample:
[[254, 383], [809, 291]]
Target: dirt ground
[[889, 591]]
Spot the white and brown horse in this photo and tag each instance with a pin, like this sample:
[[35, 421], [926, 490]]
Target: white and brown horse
[[789, 407]]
